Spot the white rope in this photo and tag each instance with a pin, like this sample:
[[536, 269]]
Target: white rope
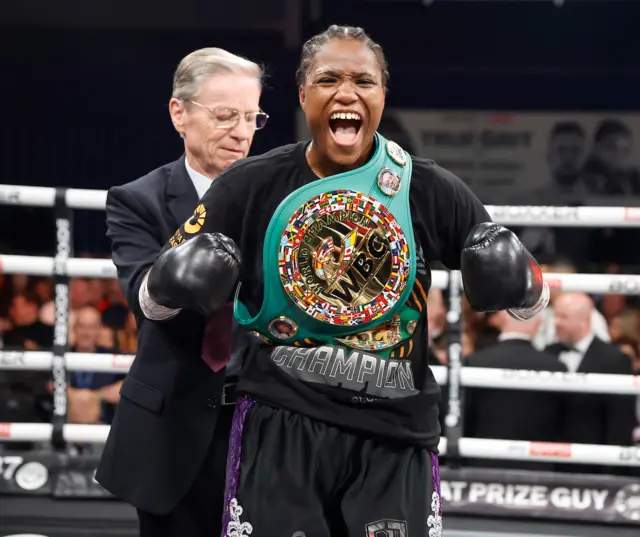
[[547, 381], [619, 284], [622, 284], [531, 215], [40, 196], [469, 447], [508, 215], [543, 381], [522, 450], [478, 377], [44, 266], [74, 361], [41, 432]]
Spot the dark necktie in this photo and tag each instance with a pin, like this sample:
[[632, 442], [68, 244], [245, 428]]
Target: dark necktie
[[563, 347], [218, 335]]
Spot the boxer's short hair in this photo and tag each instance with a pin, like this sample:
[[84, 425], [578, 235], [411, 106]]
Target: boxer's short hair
[[313, 45], [200, 65]]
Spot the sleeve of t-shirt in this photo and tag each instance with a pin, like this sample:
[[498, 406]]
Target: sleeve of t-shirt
[[218, 211], [460, 211]]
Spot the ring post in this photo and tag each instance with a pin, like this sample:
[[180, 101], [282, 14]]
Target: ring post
[[454, 415], [64, 250]]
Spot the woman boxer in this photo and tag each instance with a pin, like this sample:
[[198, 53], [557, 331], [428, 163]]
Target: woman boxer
[[327, 246]]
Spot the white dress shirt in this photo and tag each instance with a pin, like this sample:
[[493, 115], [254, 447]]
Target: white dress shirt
[[201, 182], [573, 359]]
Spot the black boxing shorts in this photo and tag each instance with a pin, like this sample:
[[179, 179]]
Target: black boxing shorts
[[291, 476]]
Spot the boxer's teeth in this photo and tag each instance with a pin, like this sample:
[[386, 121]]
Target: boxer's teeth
[[346, 115]]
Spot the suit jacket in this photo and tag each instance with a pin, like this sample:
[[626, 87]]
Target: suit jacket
[[600, 418], [514, 414], [170, 398]]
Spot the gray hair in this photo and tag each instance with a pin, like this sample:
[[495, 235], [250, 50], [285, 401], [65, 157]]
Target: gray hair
[[200, 65]]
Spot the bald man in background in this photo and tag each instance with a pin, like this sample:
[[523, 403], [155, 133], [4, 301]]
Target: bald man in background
[[591, 418], [546, 335], [524, 414]]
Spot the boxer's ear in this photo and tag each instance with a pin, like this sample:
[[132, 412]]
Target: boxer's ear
[[301, 96]]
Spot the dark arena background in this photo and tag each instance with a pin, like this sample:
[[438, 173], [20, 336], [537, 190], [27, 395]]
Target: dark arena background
[[508, 95]]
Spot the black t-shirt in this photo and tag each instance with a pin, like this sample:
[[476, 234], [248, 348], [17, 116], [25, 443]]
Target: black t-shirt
[[240, 204]]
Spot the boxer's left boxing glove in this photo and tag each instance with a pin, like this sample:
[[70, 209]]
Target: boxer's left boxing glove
[[498, 273]]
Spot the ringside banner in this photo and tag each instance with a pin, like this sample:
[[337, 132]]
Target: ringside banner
[[469, 491], [48, 474], [526, 158], [511, 493]]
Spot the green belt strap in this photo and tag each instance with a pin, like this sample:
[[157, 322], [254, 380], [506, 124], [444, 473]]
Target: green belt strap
[[363, 216]]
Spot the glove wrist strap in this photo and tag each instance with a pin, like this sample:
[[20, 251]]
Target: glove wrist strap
[[524, 314], [151, 309]]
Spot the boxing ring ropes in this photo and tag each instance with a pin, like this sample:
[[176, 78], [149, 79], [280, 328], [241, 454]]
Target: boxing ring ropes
[[63, 266]]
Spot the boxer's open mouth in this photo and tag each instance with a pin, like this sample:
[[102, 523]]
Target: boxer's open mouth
[[345, 127]]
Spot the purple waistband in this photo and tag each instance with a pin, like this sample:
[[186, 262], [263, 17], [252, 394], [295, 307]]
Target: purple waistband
[[233, 458]]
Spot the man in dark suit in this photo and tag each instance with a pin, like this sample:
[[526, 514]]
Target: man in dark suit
[[167, 447], [514, 414], [591, 418]]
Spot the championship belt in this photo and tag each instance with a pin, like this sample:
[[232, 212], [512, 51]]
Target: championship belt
[[339, 260]]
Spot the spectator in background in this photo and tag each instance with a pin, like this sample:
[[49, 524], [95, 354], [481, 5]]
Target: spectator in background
[[5, 299], [114, 307], [480, 327], [523, 415], [19, 283], [79, 296], [26, 330], [631, 347], [547, 333], [127, 336], [625, 324], [591, 418], [24, 395], [92, 395], [95, 292], [436, 313], [43, 288], [436, 325], [611, 305], [107, 338]]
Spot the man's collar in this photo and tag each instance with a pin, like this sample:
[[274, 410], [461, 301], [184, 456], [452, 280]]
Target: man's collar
[[200, 182], [506, 336]]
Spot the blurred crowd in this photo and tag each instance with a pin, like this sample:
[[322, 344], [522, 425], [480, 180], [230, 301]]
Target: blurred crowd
[[99, 322], [576, 333]]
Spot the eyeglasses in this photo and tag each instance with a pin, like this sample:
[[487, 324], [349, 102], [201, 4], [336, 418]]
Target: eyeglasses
[[227, 118]]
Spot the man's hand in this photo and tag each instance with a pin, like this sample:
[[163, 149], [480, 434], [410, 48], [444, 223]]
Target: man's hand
[[84, 406], [111, 394]]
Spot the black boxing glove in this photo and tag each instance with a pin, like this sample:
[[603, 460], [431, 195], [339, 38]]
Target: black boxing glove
[[199, 274], [498, 273]]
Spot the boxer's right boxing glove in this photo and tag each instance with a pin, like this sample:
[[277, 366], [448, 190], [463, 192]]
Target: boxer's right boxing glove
[[200, 274]]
